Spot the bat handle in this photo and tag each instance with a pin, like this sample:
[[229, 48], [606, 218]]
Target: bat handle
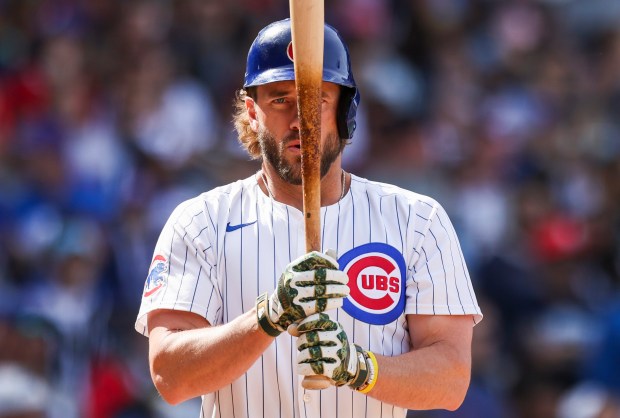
[[316, 382]]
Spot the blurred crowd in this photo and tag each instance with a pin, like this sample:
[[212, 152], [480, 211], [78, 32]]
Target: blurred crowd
[[508, 112]]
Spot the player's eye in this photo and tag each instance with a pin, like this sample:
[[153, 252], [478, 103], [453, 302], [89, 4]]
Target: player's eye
[[279, 100]]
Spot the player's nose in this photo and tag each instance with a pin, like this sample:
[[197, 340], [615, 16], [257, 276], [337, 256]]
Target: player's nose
[[294, 124]]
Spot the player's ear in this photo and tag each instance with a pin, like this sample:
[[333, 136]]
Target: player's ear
[[250, 106]]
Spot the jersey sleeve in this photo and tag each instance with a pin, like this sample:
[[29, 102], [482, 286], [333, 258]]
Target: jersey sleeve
[[182, 272], [439, 282]]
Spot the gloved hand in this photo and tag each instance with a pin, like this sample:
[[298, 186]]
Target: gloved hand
[[310, 284], [324, 349]]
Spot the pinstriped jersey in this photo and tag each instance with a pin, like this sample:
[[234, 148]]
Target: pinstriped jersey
[[220, 250]]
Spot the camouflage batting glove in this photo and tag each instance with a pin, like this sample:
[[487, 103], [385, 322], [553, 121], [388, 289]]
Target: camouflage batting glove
[[324, 349], [310, 284]]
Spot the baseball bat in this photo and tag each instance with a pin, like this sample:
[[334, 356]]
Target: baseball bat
[[307, 22]]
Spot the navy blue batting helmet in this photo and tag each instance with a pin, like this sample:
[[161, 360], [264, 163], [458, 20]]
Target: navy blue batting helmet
[[271, 59]]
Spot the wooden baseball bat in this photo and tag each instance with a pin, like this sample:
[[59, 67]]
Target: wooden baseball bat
[[307, 26]]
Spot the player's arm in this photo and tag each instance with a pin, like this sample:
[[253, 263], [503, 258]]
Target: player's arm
[[188, 357], [434, 375]]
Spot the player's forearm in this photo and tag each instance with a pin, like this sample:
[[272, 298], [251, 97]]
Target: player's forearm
[[433, 377], [190, 363]]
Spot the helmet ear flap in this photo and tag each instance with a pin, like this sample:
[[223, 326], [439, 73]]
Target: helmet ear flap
[[347, 109]]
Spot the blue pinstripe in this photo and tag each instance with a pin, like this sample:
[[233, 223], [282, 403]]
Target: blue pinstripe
[[196, 286], [431, 277], [258, 252], [369, 219], [458, 293], [274, 286], [209, 303], [463, 268]]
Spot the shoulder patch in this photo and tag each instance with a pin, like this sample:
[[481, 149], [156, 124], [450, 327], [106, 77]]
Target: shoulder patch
[[377, 275], [157, 277]]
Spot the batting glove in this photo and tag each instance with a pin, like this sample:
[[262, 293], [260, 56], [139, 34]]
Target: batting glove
[[324, 349], [310, 284]]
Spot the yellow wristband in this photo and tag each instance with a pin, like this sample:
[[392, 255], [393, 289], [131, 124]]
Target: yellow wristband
[[374, 373]]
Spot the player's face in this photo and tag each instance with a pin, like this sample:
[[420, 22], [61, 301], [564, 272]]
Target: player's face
[[277, 126]]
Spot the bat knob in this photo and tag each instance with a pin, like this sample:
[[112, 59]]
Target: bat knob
[[315, 382]]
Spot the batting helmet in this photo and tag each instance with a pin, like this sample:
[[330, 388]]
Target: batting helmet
[[271, 59]]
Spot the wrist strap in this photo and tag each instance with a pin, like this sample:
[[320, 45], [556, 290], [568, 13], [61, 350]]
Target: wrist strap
[[373, 372], [262, 312], [362, 369]]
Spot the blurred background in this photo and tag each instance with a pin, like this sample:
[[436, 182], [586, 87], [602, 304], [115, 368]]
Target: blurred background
[[508, 112]]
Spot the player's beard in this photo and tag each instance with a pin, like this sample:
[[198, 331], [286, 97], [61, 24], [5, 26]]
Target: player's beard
[[290, 172]]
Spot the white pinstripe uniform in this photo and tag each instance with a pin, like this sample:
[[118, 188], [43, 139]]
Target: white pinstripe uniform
[[220, 250]]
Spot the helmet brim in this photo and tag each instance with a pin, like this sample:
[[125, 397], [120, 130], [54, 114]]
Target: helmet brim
[[287, 73]]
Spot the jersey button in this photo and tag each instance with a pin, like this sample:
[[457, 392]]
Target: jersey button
[[307, 398]]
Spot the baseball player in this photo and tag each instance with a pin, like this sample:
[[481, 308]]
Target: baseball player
[[385, 313]]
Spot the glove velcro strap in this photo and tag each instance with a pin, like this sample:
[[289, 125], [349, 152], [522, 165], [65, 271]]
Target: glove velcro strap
[[262, 312], [361, 378]]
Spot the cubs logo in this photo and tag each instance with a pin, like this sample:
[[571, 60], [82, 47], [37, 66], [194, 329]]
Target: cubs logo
[[289, 51], [157, 276], [377, 275]]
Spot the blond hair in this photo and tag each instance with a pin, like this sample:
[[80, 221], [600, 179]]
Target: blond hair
[[247, 137]]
